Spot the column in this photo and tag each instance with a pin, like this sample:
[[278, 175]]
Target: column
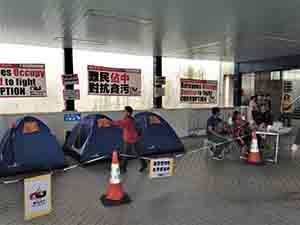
[[68, 63], [157, 71], [237, 86]]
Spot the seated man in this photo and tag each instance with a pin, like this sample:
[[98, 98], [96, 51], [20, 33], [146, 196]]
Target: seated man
[[215, 131]]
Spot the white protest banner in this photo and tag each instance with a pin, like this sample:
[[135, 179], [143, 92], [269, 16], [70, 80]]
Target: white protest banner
[[37, 196], [198, 91], [161, 167], [114, 81], [70, 79], [71, 94], [22, 80]]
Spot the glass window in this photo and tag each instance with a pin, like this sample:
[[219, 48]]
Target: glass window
[[275, 75]]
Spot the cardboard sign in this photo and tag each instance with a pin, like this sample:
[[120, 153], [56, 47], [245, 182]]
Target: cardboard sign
[[114, 81], [70, 79], [22, 80], [198, 91], [37, 196], [162, 167], [71, 94]]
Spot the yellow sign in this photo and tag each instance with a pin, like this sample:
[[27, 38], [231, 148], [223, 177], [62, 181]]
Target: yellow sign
[[37, 196], [162, 167]]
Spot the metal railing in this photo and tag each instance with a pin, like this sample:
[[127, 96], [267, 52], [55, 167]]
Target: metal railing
[[295, 103]]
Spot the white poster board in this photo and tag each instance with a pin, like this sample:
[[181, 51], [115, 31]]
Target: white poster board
[[37, 196], [22, 80], [114, 81], [161, 167], [198, 91]]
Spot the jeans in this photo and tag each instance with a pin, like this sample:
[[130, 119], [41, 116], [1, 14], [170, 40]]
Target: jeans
[[132, 149]]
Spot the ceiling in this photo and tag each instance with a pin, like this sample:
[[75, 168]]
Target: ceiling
[[237, 30]]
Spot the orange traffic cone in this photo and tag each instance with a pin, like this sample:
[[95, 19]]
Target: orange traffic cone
[[115, 195], [254, 154]]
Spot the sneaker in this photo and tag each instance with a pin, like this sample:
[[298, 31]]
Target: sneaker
[[211, 150], [218, 157]]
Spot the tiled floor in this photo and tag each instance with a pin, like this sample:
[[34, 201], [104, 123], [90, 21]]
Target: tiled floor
[[202, 192]]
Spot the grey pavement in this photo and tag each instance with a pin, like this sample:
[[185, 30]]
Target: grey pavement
[[201, 192]]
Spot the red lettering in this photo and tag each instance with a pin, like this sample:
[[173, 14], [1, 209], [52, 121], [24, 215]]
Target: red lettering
[[15, 71], [125, 78], [115, 77]]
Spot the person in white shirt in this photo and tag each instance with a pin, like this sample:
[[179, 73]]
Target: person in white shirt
[[252, 109]]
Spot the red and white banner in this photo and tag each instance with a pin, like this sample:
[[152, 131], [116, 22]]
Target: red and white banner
[[114, 81], [70, 79], [22, 80], [198, 91]]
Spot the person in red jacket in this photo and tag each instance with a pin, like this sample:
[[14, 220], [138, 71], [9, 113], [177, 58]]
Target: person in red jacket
[[130, 138]]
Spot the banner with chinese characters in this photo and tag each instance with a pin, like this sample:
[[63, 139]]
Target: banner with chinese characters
[[22, 80], [198, 91], [114, 81]]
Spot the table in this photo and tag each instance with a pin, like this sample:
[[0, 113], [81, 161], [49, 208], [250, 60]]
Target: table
[[277, 134]]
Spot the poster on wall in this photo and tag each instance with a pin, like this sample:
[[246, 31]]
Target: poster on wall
[[114, 81], [22, 80], [37, 196], [198, 91]]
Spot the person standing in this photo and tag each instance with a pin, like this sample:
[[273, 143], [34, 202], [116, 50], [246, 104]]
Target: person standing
[[130, 138], [252, 112], [286, 109]]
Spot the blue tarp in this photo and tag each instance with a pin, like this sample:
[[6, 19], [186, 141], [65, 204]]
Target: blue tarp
[[21, 152], [88, 141], [157, 138]]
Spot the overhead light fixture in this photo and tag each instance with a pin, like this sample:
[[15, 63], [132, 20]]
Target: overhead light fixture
[[118, 16], [195, 49], [83, 41]]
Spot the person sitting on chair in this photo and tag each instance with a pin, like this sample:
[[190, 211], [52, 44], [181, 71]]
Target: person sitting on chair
[[215, 131]]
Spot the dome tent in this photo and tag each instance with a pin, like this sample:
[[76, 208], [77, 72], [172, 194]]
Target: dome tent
[[29, 146]]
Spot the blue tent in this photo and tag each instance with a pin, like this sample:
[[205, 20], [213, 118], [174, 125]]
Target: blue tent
[[89, 139], [157, 136], [29, 146]]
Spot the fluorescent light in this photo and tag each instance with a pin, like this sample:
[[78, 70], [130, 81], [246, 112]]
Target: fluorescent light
[[83, 41], [118, 16]]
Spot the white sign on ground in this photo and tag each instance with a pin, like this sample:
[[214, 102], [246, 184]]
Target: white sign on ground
[[37, 196], [161, 167]]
